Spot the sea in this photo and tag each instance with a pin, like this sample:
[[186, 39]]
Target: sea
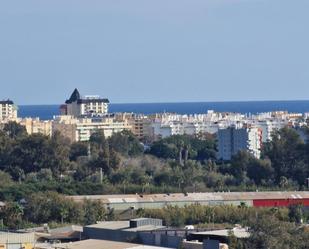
[[45, 112]]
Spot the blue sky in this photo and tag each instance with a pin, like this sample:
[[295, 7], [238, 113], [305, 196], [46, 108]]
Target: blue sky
[[154, 51]]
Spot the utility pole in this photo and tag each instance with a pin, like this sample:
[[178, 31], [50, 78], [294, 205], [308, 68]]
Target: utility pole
[[89, 150], [101, 175]]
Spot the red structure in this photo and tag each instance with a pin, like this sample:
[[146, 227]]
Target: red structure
[[280, 202]]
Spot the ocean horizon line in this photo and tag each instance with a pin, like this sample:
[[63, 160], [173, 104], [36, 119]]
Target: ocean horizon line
[[183, 102]]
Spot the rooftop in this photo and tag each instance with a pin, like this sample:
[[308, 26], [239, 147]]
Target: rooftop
[[124, 226], [194, 197], [101, 244], [17, 237], [76, 97], [9, 102], [238, 232]]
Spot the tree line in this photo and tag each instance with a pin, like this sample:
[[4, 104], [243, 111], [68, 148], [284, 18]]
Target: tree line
[[122, 164], [52, 208]]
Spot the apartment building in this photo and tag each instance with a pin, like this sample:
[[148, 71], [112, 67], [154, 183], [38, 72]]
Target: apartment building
[[141, 125], [80, 129], [234, 139], [268, 127], [8, 111], [90, 105], [35, 125], [163, 130]]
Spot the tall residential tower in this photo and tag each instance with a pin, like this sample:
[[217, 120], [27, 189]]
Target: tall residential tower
[[234, 139]]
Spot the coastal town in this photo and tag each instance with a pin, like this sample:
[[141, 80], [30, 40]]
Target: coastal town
[[80, 116]]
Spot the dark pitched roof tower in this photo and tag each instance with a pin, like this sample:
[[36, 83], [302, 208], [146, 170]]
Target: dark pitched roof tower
[[75, 96]]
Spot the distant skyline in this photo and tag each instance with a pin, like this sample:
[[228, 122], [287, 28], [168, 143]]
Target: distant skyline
[[135, 51]]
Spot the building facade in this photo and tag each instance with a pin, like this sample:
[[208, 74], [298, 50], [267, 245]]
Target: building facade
[[35, 125], [234, 139], [81, 129], [8, 111], [141, 125], [88, 106]]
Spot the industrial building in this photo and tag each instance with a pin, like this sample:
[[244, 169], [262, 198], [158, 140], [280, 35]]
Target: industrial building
[[250, 199], [17, 240]]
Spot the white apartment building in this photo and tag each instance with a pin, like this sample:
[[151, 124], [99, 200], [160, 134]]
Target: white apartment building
[[80, 129], [268, 127], [163, 130], [8, 111], [200, 127], [91, 105], [234, 139]]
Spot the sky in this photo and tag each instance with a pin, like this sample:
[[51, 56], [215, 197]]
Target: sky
[[135, 51]]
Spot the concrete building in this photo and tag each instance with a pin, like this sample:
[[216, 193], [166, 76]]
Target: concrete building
[[234, 139], [88, 106], [8, 111], [141, 126], [80, 129], [268, 127], [163, 130], [35, 125]]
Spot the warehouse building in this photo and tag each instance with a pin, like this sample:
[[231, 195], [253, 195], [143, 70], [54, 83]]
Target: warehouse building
[[9, 240], [250, 199]]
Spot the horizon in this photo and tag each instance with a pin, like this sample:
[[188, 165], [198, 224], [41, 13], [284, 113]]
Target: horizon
[[184, 102]]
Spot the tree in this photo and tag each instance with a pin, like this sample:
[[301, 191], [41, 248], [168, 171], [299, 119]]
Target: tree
[[78, 149], [285, 150], [260, 170], [184, 147], [31, 153], [100, 153], [239, 165], [268, 232], [98, 142], [11, 215], [94, 211], [59, 149], [163, 150], [44, 207], [14, 130], [5, 179], [125, 143], [6, 146], [296, 213]]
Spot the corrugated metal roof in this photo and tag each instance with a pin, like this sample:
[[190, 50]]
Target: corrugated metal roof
[[195, 197], [101, 244], [238, 232], [8, 237]]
